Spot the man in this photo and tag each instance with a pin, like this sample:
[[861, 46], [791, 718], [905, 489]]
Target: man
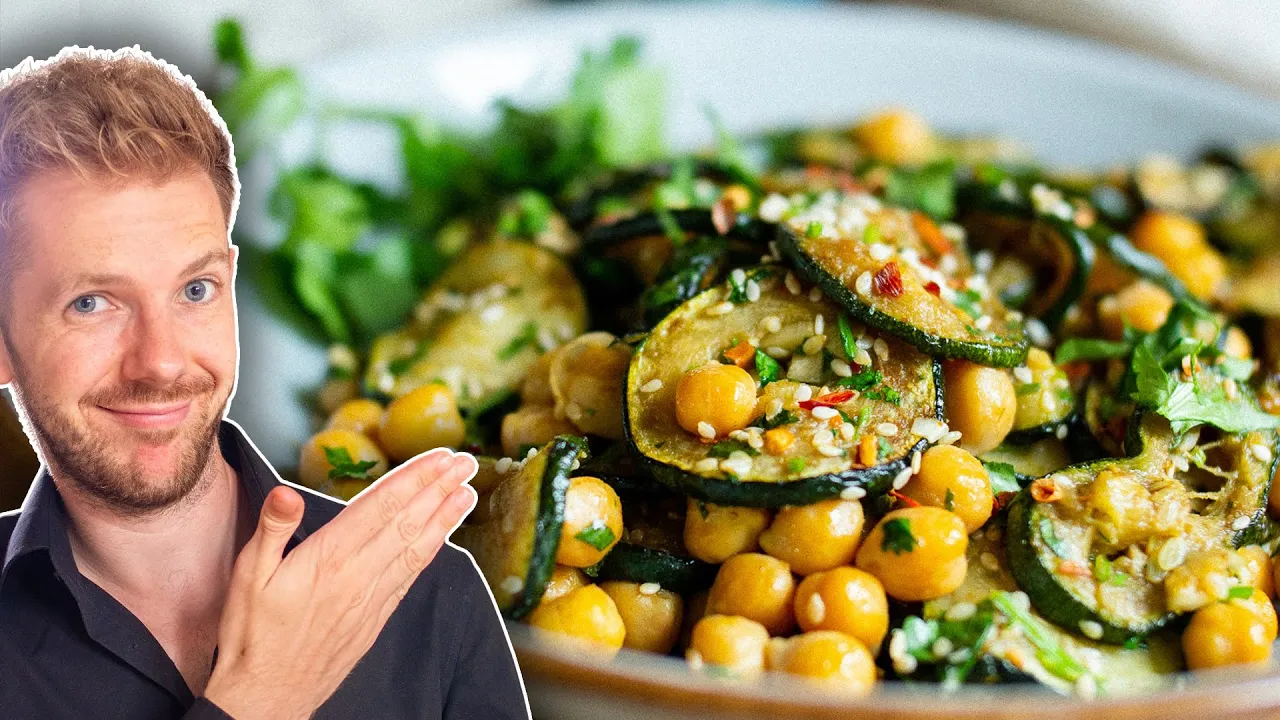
[[158, 567]]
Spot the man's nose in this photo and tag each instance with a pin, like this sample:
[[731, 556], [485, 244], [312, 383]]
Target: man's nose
[[156, 354]]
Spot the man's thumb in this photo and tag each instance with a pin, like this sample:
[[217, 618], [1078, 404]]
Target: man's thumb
[[281, 513]]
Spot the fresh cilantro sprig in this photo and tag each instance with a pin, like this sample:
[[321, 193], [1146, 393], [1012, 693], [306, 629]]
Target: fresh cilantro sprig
[[898, 538], [341, 466]]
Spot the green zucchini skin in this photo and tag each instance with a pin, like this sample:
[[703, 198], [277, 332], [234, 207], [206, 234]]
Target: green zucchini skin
[[640, 564], [1027, 436], [1142, 264], [697, 221], [581, 211], [1009, 354], [1031, 561], [561, 454]]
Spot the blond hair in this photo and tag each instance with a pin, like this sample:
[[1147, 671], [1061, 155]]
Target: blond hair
[[107, 116]]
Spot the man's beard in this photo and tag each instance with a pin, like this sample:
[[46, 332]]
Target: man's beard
[[87, 460]]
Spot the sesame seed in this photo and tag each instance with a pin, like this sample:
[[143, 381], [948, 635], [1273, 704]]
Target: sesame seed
[[532, 451], [773, 407], [386, 382], [841, 368], [649, 588], [740, 435], [887, 429], [900, 480], [773, 207], [723, 308], [576, 464], [862, 357], [706, 430], [1091, 629], [942, 647], [915, 462], [823, 436], [771, 324], [574, 412], [706, 465], [846, 431], [755, 441], [792, 283], [1087, 686], [898, 646], [813, 345], [815, 294], [928, 428], [960, 657], [653, 385], [961, 611], [1061, 432], [862, 285], [512, 584], [492, 313], [983, 323], [773, 250], [753, 291], [1174, 552], [342, 357], [804, 393], [738, 463], [738, 276], [1038, 333], [819, 324], [1023, 375], [776, 352], [1262, 452], [948, 264], [503, 465], [853, 492], [822, 412], [546, 340], [1020, 599], [882, 349], [983, 261], [880, 252], [817, 609], [565, 331], [1241, 522], [989, 561], [949, 438]]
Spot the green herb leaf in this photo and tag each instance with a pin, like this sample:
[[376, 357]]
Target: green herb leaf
[[1049, 651], [598, 536], [1051, 539], [884, 448], [930, 189], [813, 230], [897, 536], [1104, 572], [848, 343], [795, 465], [528, 337], [342, 466], [767, 367], [784, 417], [1027, 389], [1003, 477], [724, 448], [1073, 349], [864, 380], [949, 503], [1240, 592]]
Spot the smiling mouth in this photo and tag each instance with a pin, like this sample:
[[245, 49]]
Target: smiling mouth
[[150, 417]]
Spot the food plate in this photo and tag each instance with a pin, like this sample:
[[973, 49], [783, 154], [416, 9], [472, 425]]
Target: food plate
[[1075, 102]]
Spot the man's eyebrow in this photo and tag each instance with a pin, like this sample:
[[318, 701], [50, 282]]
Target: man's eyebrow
[[103, 279]]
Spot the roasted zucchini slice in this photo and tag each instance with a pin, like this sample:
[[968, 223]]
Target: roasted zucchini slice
[[1046, 404], [892, 386], [482, 325], [877, 264], [1143, 264], [515, 547], [1137, 517], [1053, 252]]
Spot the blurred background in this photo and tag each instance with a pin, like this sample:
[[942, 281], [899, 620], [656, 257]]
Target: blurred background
[[1228, 40]]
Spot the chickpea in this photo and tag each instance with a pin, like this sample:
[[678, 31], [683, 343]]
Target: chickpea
[[755, 586], [1180, 243], [1237, 344], [917, 553], [361, 415], [953, 479], [1142, 305], [592, 522], [534, 425], [587, 376], [844, 599], [424, 418], [722, 396], [897, 137], [652, 619], [586, 615], [838, 660], [314, 466], [1229, 633], [1256, 569], [564, 580], [981, 404], [536, 388], [814, 537], [715, 533], [729, 642]]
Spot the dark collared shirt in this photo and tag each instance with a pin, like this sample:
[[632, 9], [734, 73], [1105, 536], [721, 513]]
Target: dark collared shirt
[[70, 650]]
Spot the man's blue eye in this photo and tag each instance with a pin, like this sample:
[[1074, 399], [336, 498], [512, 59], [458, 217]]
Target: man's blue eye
[[198, 291], [86, 303]]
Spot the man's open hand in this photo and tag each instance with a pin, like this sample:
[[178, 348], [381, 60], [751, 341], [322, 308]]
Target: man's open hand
[[292, 629]]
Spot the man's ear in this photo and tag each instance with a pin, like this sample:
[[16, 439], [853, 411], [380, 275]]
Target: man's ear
[[6, 364]]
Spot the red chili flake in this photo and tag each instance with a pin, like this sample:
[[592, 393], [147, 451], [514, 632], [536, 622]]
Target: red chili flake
[[831, 399], [1072, 568], [723, 215], [934, 288], [1076, 370], [906, 501], [1002, 500], [888, 281]]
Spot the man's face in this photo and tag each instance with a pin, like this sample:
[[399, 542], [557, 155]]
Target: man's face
[[120, 335]]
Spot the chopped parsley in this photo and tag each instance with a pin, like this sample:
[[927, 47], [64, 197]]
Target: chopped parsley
[[528, 337], [1240, 592], [884, 448], [1051, 539], [598, 536], [1189, 403], [1104, 572], [1003, 477], [949, 503], [863, 381], [1073, 349], [795, 464], [724, 448], [738, 290], [813, 230], [1027, 389], [884, 393], [871, 234], [968, 301], [847, 342], [784, 417], [897, 536], [702, 509], [401, 364], [342, 466], [767, 367]]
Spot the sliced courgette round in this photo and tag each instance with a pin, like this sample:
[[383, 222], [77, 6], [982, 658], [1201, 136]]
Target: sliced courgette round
[[482, 325], [887, 278], [516, 546], [894, 386], [1094, 555], [1143, 264]]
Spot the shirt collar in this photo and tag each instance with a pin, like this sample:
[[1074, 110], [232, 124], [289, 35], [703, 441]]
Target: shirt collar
[[42, 521]]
